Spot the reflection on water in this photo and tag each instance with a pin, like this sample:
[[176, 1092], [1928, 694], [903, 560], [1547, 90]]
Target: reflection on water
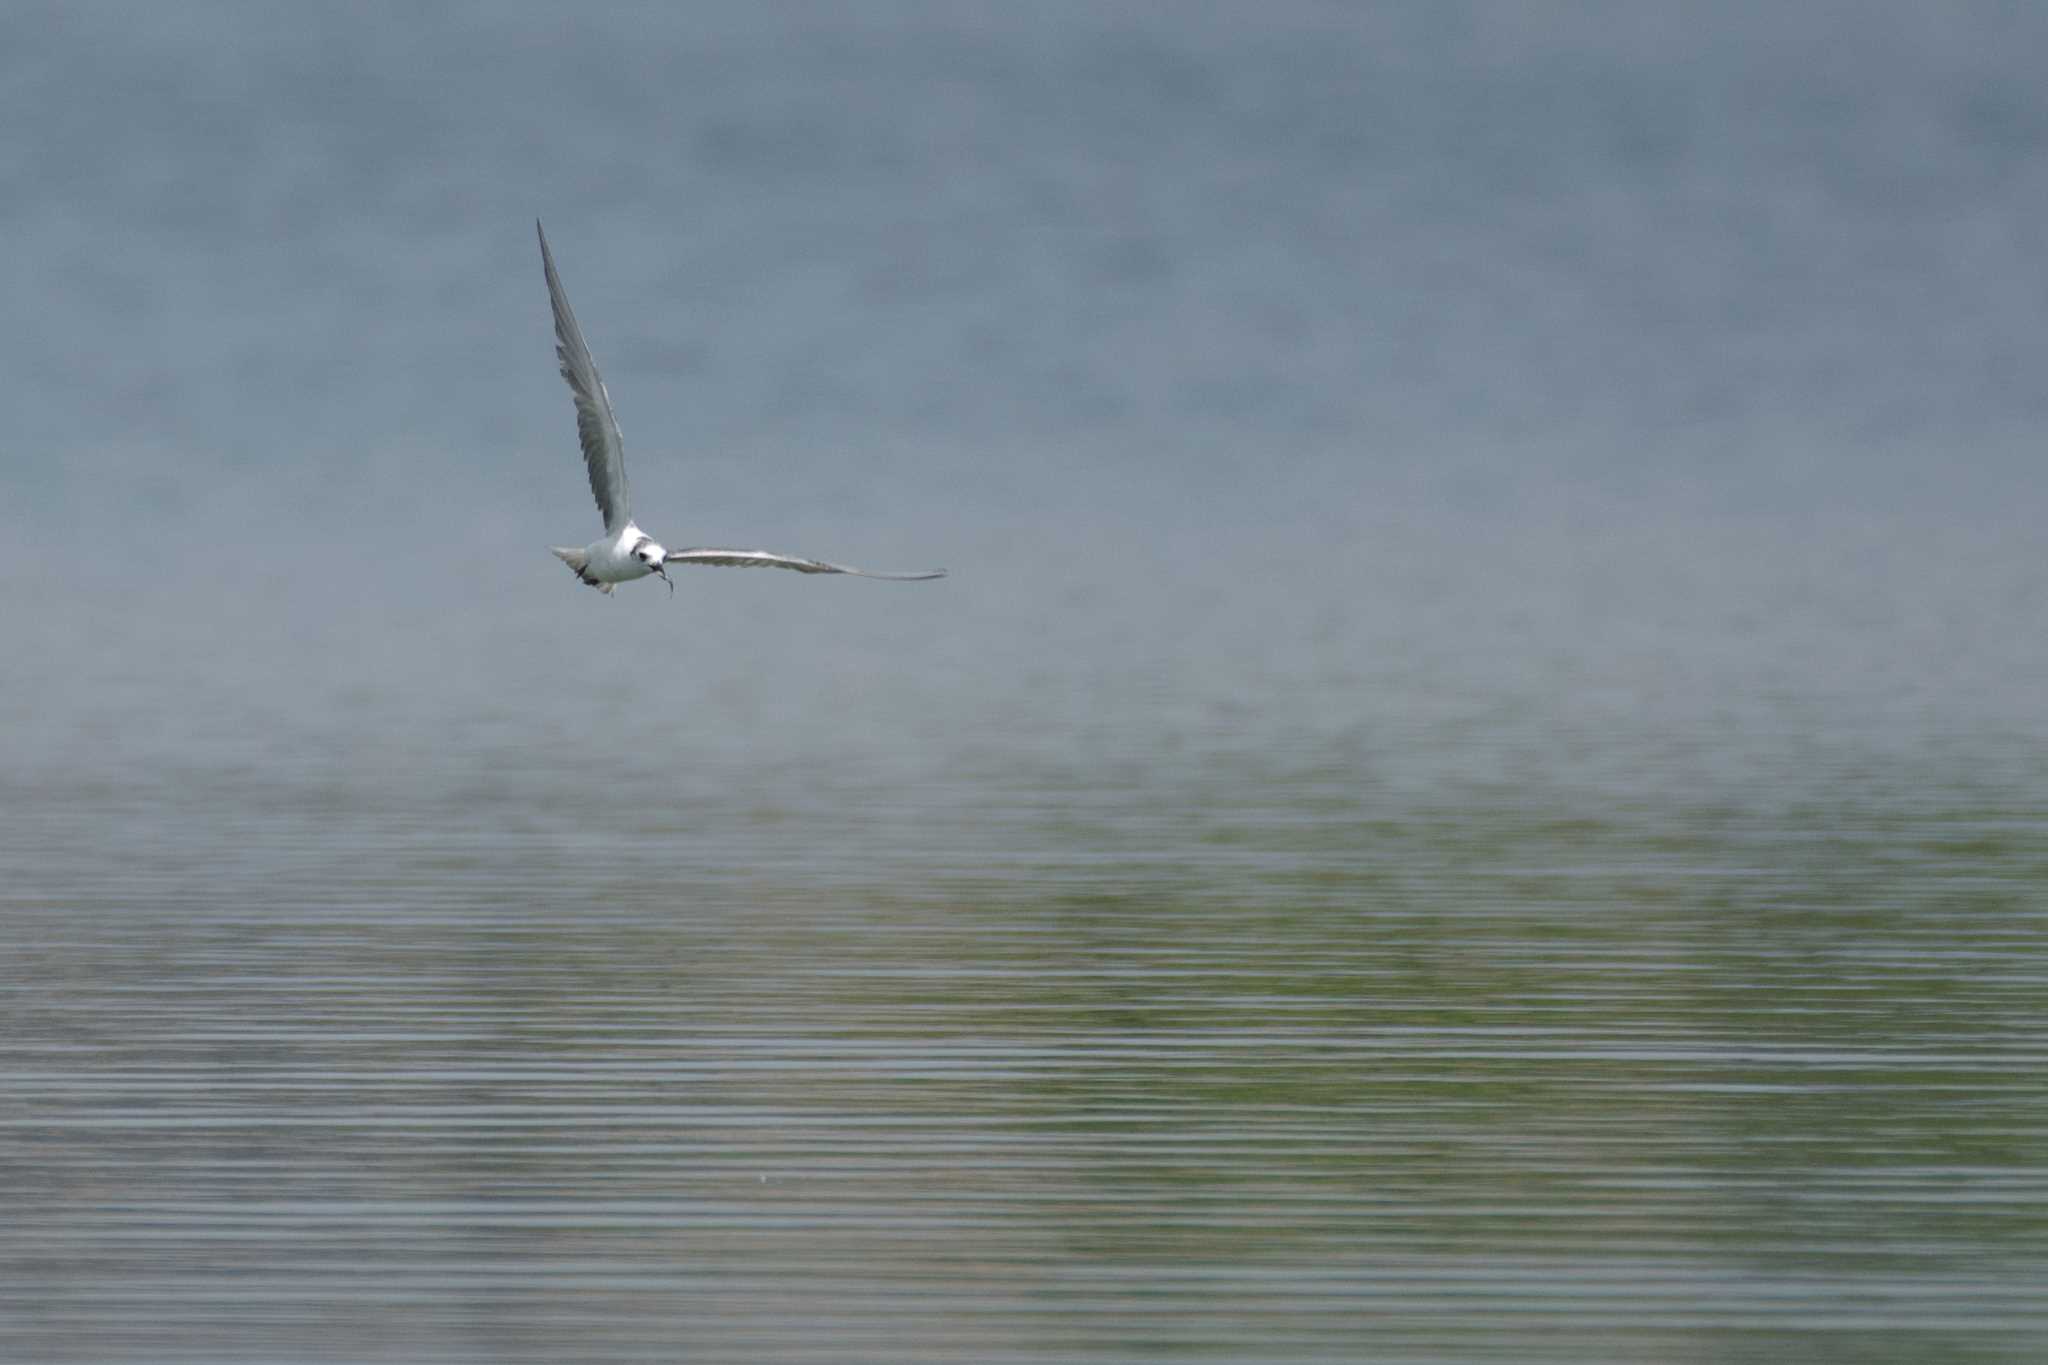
[[1218, 1055]]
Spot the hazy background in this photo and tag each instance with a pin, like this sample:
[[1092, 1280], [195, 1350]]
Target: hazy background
[[1478, 789]]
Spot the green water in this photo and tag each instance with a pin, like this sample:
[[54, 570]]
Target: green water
[[1219, 1055]]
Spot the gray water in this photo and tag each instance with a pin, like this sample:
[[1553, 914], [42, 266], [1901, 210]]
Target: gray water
[[1478, 791]]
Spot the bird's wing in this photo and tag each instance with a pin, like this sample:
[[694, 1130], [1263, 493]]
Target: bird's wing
[[604, 450], [764, 559]]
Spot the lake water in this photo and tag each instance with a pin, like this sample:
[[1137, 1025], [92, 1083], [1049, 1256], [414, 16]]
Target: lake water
[[1479, 790]]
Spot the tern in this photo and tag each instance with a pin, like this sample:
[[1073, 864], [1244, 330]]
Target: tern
[[626, 552]]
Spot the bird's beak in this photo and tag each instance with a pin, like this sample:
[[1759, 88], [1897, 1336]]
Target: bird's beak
[[665, 578]]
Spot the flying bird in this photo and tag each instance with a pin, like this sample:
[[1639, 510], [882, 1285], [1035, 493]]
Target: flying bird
[[626, 552]]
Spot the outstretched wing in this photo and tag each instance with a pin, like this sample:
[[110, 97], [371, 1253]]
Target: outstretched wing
[[604, 452], [764, 559]]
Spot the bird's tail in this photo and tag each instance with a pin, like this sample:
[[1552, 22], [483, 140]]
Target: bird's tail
[[579, 564]]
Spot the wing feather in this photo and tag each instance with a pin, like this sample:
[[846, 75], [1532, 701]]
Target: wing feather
[[767, 559], [604, 453]]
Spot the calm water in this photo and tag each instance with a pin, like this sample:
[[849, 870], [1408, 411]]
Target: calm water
[[1479, 791], [1196, 1035]]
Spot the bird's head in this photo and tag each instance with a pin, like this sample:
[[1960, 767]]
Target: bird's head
[[653, 556]]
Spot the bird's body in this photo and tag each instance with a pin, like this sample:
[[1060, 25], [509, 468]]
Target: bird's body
[[625, 552], [606, 563]]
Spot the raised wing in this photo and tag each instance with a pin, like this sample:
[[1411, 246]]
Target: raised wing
[[764, 559], [604, 452]]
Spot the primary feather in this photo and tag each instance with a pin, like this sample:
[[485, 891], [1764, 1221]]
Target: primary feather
[[768, 559], [604, 452]]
